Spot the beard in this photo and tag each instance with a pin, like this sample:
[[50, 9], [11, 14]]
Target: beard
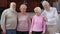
[[13, 8]]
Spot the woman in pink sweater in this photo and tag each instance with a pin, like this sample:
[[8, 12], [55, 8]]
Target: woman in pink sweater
[[24, 21], [38, 22]]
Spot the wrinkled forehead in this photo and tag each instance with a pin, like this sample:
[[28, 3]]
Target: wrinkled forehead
[[13, 3], [46, 4], [23, 6]]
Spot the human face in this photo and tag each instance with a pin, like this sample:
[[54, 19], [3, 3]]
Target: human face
[[13, 5], [37, 12], [46, 6], [23, 9]]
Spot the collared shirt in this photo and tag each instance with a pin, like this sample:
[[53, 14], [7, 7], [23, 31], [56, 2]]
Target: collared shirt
[[51, 15]]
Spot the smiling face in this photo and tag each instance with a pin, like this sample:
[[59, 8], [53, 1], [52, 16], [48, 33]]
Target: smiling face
[[37, 10], [46, 6], [13, 5], [38, 13], [23, 8]]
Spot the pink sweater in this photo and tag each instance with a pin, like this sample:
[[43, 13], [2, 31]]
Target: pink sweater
[[24, 22], [38, 24]]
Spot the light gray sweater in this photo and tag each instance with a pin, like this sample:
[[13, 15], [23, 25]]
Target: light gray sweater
[[8, 19]]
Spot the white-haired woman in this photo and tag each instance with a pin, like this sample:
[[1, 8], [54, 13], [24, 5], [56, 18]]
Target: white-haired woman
[[23, 21], [38, 22]]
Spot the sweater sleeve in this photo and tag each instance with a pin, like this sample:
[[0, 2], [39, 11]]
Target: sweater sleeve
[[29, 22], [32, 25], [44, 25], [56, 15], [3, 19]]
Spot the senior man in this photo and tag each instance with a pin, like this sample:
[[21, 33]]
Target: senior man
[[52, 17], [9, 19]]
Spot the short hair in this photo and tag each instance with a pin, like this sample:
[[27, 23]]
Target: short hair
[[23, 5], [45, 2], [12, 3], [38, 9]]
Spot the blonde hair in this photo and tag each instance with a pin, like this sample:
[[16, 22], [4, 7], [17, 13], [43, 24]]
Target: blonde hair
[[37, 9]]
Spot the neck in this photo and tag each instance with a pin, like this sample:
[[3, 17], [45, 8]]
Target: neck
[[12, 8], [48, 9], [38, 14], [23, 12]]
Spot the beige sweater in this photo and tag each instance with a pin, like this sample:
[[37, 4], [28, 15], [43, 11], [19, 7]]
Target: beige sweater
[[8, 19]]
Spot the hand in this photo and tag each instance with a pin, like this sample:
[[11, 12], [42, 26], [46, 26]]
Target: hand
[[43, 33], [4, 32], [30, 32]]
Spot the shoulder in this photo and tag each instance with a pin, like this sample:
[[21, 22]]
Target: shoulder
[[18, 14], [28, 14], [53, 8], [34, 17], [44, 18], [5, 11], [44, 11], [42, 15]]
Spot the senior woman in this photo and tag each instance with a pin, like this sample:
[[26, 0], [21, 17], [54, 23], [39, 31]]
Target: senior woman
[[23, 21], [38, 22]]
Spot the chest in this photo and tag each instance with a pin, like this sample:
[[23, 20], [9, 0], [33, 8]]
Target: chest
[[22, 18], [11, 15], [38, 20], [49, 14]]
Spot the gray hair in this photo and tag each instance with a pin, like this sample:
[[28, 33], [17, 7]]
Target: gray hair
[[45, 2], [23, 6], [12, 3], [37, 9]]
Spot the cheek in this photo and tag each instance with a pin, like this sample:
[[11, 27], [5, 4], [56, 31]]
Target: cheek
[[14, 6], [45, 6], [23, 10]]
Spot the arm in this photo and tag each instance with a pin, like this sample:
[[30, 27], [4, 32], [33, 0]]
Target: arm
[[44, 25], [32, 25], [3, 19], [56, 15], [29, 22], [44, 15]]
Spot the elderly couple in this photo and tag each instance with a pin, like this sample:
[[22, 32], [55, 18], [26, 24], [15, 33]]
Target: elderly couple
[[12, 23]]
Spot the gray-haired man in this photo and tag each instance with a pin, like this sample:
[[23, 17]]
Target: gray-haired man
[[9, 19], [52, 17]]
